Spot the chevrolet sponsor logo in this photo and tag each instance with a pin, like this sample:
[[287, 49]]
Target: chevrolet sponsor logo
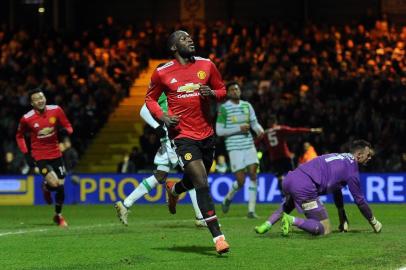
[[46, 132], [188, 88]]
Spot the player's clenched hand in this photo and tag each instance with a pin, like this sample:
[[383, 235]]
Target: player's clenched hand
[[316, 130], [206, 91], [376, 225], [260, 135], [245, 128], [170, 120]]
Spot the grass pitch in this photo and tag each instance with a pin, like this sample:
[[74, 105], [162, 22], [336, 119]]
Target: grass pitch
[[155, 239]]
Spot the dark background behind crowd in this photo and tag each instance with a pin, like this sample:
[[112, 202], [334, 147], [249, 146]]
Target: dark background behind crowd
[[348, 78]]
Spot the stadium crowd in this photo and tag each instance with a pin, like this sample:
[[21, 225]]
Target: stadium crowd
[[350, 80]]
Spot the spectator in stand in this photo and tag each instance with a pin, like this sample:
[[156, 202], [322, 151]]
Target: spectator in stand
[[70, 155], [221, 166], [137, 158], [150, 144], [126, 166], [13, 165], [309, 153]]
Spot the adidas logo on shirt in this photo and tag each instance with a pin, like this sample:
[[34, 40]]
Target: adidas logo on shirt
[[174, 80]]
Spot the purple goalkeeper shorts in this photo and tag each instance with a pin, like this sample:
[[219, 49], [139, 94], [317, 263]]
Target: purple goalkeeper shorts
[[300, 187]]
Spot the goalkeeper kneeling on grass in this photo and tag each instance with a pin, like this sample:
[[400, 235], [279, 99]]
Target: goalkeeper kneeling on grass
[[323, 175]]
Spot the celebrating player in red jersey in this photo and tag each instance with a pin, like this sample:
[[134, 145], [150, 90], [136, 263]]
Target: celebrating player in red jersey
[[41, 123], [277, 147], [191, 84]]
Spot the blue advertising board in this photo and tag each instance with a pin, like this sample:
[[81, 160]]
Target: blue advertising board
[[108, 188]]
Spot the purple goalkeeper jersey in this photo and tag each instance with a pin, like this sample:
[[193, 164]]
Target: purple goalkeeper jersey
[[331, 172]]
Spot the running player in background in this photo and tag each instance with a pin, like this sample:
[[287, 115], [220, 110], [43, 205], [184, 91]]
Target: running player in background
[[191, 84], [277, 147], [323, 175], [165, 160], [235, 119], [42, 123]]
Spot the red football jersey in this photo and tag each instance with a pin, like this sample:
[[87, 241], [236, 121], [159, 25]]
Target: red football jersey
[[43, 132], [180, 84], [276, 142]]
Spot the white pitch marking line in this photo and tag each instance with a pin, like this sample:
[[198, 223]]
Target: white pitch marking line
[[55, 229], [103, 225]]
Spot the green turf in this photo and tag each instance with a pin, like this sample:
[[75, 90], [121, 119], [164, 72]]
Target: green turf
[[155, 239]]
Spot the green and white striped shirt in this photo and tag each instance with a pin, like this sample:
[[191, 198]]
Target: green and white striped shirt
[[231, 116]]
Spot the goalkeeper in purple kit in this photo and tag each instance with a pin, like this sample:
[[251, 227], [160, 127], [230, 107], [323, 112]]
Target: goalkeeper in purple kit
[[325, 174]]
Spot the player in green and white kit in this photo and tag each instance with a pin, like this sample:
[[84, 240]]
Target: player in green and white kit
[[235, 119], [165, 160]]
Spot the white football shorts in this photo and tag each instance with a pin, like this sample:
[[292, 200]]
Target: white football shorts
[[240, 159]]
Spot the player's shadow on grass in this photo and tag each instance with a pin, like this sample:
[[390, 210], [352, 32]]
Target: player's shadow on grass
[[350, 231], [202, 250], [302, 234]]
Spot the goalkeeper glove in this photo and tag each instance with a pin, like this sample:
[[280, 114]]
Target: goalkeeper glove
[[160, 131], [376, 225], [343, 227]]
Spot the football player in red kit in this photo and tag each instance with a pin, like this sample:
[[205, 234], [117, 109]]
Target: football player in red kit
[[191, 85], [41, 124], [277, 146]]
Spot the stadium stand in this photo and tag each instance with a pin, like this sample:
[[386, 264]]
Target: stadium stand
[[348, 79]]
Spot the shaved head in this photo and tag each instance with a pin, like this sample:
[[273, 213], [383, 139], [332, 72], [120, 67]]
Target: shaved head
[[174, 37]]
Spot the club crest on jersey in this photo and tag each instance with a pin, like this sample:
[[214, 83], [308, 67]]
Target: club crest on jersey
[[188, 88], [201, 74], [188, 156], [52, 120]]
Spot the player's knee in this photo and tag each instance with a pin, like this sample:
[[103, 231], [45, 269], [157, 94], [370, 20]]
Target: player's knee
[[252, 171], [160, 176], [240, 182], [200, 183], [253, 177]]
